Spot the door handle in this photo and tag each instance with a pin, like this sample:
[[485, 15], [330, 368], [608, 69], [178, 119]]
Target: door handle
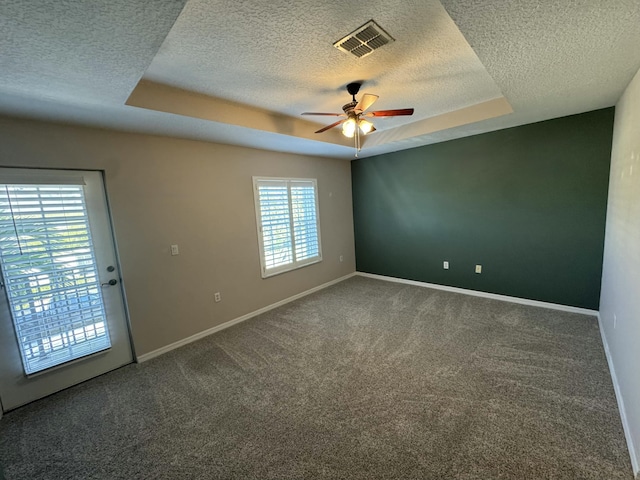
[[110, 283]]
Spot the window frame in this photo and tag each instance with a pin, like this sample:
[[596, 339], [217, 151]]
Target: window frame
[[295, 264]]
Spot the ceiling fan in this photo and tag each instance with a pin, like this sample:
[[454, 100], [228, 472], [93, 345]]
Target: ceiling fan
[[354, 122]]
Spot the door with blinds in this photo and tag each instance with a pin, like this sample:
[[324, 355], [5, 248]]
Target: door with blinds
[[62, 316]]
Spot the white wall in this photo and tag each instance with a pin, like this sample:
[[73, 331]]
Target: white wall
[[198, 195], [620, 297]]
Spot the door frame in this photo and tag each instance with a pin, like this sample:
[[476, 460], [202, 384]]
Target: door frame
[[127, 334]]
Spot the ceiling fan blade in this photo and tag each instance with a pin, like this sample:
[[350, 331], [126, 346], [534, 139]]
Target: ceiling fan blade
[[330, 126], [390, 113], [326, 114], [365, 102]]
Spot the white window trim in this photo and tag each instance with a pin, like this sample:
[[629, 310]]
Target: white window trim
[[295, 264]]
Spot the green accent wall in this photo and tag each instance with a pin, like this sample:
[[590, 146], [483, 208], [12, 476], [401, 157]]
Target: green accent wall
[[527, 203]]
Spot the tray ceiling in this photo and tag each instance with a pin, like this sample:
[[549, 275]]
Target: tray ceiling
[[242, 72]]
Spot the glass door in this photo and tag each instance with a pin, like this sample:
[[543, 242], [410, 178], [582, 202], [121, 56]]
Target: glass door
[[62, 317]]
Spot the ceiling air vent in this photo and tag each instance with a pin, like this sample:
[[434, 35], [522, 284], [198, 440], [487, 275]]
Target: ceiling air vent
[[364, 40]]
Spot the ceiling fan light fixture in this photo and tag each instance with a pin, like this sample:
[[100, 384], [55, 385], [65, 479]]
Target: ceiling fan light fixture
[[349, 128], [354, 125], [365, 126]]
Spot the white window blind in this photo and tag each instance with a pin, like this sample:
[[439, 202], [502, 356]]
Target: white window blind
[[288, 228], [50, 274]]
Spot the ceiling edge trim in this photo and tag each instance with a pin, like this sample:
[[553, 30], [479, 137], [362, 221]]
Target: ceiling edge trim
[[496, 107], [164, 98]]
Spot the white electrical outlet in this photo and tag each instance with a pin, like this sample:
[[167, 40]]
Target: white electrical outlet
[[445, 265], [174, 250], [342, 258], [217, 297], [478, 268]]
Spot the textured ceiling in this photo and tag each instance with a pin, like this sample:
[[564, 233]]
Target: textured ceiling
[[80, 51], [463, 64], [279, 56]]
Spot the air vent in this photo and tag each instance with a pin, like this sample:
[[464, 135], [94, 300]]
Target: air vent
[[364, 40]]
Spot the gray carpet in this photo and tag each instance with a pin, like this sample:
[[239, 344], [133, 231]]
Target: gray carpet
[[363, 380]]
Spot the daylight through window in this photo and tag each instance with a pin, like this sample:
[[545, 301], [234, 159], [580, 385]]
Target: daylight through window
[[288, 227]]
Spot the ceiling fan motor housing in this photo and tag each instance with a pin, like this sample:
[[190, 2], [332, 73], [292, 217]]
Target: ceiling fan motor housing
[[354, 88], [348, 107]]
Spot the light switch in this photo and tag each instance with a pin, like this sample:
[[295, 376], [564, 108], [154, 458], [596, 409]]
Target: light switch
[[174, 250], [478, 268]]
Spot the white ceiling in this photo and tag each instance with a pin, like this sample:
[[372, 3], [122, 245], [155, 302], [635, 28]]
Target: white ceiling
[[279, 56], [464, 65]]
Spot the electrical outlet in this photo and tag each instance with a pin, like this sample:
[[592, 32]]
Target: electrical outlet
[[478, 268], [174, 250], [445, 265], [217, 297], [342, 258]]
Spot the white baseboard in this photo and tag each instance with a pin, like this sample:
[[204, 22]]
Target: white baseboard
[[475, 293], [621, 408], [230, 323]]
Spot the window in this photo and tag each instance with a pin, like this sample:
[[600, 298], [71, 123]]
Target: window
[[288, 227], [50, 274]]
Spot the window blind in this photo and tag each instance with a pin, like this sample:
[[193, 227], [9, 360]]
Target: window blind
[[305, 225], [50, 274], [287, 213]]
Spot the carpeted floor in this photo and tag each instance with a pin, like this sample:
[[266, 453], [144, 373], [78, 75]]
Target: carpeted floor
[[363, 380]]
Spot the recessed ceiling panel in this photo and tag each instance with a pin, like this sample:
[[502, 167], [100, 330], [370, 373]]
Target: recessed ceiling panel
[[279, 56]]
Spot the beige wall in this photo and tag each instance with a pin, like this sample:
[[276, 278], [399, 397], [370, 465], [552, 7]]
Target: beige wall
[[620, 298], [198, 195]]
